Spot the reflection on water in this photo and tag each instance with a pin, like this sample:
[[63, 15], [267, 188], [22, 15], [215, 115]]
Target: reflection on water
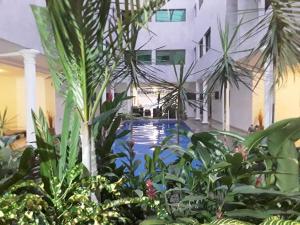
[[148, 133]]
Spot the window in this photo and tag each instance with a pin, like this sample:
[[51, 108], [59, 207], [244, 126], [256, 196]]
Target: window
[[127, 15], [195, 53], [170, 57], [201, 48], [267, 4], [191, 96], [144, 56], [195, 10], [208, 40], [200, 4], [141, 56], [170, 15]]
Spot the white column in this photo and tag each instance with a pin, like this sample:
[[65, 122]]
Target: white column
[[129, 101], [135, 96], [269, 98], [30, 87], [205, 103], [197, 100]]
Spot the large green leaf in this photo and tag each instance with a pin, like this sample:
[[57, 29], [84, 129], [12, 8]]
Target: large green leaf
[[25, 166], [280, 139]]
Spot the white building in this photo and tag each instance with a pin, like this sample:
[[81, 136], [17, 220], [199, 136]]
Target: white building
[[191, 26], [177, 32]]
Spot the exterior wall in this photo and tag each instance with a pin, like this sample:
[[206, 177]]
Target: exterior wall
[[14, 100], [170, 36], [287, 103], [17, 23], [229, 11]]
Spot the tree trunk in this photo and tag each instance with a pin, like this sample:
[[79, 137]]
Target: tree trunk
[[179, 114], [226, 107], [88, 148]]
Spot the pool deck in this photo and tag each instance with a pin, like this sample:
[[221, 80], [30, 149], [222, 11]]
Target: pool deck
[[197, 126]]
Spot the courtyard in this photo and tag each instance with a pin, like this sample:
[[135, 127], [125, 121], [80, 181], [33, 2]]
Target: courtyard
[[149, 112]]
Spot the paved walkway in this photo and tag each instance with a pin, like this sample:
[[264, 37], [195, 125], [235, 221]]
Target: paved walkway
[[196, 126]]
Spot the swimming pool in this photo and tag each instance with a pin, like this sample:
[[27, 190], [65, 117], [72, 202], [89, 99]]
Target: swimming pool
[[145, 135]]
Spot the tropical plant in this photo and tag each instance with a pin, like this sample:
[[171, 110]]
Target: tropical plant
[[226, 71], [247, 179], [106, 127], [88, 53], [4, 121], [68, 202], [283, 155], [278, 48], [9, 159], [63, 194], [178, 93]]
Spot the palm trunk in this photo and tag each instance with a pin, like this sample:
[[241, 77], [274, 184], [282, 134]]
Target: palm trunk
[[178, 117], [226, 107], [88, 148]]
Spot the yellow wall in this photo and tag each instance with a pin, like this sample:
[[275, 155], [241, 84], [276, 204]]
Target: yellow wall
[[12, 96], [8, 99], [288, 98]]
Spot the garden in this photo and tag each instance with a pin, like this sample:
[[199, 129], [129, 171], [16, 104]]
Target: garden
[[218, 177]]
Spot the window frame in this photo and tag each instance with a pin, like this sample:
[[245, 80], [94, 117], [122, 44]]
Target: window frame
[[170, 18], [207, 40]]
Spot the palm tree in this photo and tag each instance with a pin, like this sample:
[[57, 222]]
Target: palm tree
[[226, 71], [178, 93], [88, 38], [279, 47]]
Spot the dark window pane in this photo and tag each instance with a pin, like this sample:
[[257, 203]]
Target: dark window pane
[[267, 4], [200, 3], [201, 47], [191, 96], [170, 57], [144, 56], [208, 40]]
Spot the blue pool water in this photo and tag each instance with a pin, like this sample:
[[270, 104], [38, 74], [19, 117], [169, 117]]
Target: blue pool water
[[146, 134]]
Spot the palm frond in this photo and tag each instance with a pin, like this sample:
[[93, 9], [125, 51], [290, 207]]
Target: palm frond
[[226, 70], [280, 45]]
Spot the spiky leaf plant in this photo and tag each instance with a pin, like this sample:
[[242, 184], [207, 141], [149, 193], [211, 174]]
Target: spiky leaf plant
[[226, 72]]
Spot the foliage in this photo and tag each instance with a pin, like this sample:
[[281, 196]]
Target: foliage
[[280, 42], [240, 178], [283, 161], [226, 72], [4, 121], [177, 92], [68, 203], [105, 132], [63, 195], [88, 52], [9, 159]]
